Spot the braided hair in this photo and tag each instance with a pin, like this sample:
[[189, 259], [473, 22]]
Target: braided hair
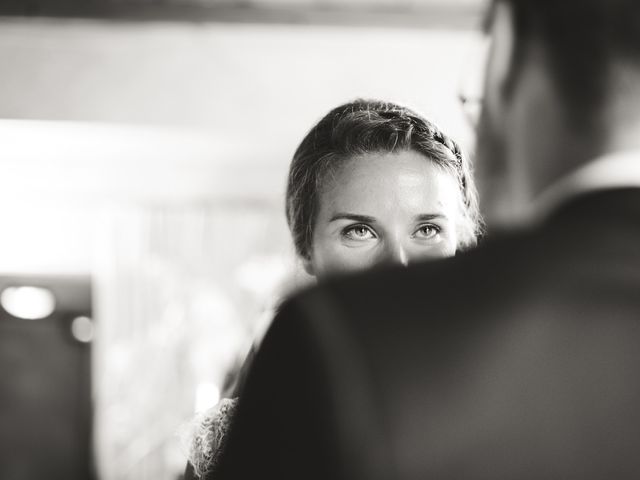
[[370, 126]]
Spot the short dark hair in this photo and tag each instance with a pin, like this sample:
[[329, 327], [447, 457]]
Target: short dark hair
[[582, 40], [369, 126]]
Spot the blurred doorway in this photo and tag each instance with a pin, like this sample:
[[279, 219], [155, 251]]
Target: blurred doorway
[[45, 378]]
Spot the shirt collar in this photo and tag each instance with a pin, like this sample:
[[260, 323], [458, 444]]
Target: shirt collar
[[617, 170]]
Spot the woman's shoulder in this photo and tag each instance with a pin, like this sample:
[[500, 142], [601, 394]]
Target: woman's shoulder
[[208, 434]]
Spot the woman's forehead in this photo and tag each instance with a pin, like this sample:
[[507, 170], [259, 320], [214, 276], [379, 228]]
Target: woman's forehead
[[385, 181]]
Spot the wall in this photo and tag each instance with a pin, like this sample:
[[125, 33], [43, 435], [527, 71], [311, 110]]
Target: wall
[[153, 156]]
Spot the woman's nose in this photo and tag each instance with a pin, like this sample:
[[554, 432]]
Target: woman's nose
[[396, 253]]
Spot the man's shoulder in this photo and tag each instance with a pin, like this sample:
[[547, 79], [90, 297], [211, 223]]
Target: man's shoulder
[[495, 261], [396, 295]]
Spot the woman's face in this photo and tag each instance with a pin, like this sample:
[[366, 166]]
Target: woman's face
[[384, 208]]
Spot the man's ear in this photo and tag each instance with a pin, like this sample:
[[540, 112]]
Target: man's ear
[[501, 65], [308, 265]]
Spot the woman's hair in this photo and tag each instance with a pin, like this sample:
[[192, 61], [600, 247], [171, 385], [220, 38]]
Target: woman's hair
[[362, 127]]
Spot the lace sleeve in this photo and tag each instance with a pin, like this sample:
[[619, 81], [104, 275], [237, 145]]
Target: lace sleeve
[[208, 434]]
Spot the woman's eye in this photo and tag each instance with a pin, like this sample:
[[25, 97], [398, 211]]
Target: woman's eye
[[358, 232], [427, 231]]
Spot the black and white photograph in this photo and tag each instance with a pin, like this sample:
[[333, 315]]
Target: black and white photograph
[[320, 239]]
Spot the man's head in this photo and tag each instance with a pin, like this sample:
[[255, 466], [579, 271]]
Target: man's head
[[562, 87]]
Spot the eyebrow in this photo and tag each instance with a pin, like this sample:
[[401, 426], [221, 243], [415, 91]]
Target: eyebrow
[[352, 216], [425, 217]]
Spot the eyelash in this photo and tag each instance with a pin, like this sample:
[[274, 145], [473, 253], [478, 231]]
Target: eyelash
[[429, 225], [347, 230]]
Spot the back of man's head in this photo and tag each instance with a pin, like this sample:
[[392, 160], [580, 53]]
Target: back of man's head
[[587, 42], [563, 88]]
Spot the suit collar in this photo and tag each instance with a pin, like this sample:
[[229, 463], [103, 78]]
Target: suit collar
[[598, 208], [617, 171]]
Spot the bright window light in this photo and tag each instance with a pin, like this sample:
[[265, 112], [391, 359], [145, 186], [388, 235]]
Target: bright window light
[[207, 395], [28, 303], [82, 329]]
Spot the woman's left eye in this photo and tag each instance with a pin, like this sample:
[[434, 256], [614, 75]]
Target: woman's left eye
[[427, 231], [358, 232]]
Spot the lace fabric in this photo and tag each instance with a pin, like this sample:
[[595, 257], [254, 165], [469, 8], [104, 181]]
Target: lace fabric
[[208, 435]]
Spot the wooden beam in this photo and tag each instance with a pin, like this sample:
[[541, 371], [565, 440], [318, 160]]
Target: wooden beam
[[437, 14]]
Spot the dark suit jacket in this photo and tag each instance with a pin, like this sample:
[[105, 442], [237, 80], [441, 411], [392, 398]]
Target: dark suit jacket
[[519, 360]]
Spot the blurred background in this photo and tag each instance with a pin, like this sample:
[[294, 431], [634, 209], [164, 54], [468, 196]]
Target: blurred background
[[144, 146]]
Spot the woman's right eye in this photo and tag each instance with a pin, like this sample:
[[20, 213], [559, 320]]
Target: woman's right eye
[[358, 232]]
